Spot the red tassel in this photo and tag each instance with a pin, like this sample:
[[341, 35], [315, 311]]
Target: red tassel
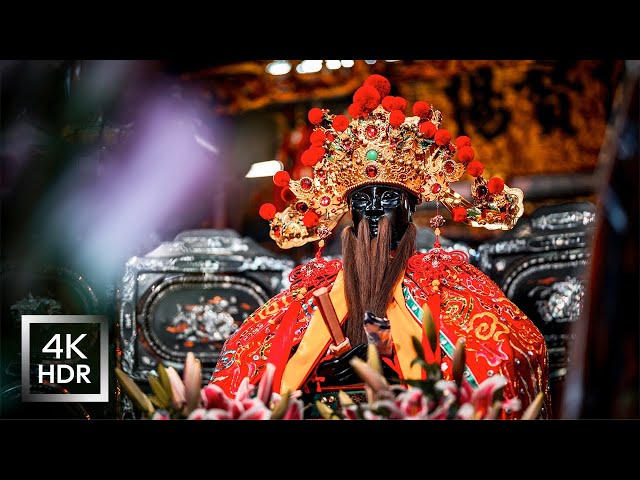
[[281, 343]]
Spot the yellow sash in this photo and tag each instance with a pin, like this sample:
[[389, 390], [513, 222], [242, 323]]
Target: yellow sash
[[317, 337]]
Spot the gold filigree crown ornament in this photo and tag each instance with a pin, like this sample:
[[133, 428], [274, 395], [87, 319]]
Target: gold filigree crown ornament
[[380, 145]]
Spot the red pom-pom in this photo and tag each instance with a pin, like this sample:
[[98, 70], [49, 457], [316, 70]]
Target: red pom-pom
[[465, 154], [317, 152], [367, 98], [312, 155], [396, 118], [428, 129], [341, 122], [459, 214], [399, 103], [475, 168], [380, 83], [390, 103], [287, 195], [442, 137], [315, 116], [267, 211], [421, 109], [281, 178], [307, 159], [354, 111], [495, 185], [310, 219], [463, 141], [317, 138], [387, 103]]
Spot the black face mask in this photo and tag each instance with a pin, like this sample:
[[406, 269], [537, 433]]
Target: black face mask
[[372, 202]]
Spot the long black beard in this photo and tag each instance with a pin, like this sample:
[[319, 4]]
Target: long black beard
[[370, 273]]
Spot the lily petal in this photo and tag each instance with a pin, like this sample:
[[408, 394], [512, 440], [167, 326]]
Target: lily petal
[[265, 386], [257, 412], [177, 388], [192, 382], [350, 412], [482, 397], [465, 412], [217, 414], [197, 414], [412, 403], [214, 397], [244, 390], [294, 412]]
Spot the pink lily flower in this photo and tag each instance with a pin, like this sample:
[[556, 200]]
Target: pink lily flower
[[350, 412], [213, 397], [482, 397], [412, 403], [514, 404], [465, 412]]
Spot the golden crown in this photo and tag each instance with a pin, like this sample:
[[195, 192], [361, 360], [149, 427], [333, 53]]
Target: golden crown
[[379, 145]]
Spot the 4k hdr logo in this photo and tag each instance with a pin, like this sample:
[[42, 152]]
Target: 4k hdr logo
[[65, 358]]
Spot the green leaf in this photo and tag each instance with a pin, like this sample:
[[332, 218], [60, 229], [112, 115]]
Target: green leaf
[[137, 396], [433, 372], [498, 395], [473, 213], [417, 346], [459, 359], [163, 397], [421, 362], [429, 328], [416, 382]]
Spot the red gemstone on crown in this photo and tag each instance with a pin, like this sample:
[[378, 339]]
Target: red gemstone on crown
[[435, 188], [320, 174], [325, 201], [449, 167], [371, 171], [372, 131], [481, 191], [305, 183], [302, 207], [276, 231]]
